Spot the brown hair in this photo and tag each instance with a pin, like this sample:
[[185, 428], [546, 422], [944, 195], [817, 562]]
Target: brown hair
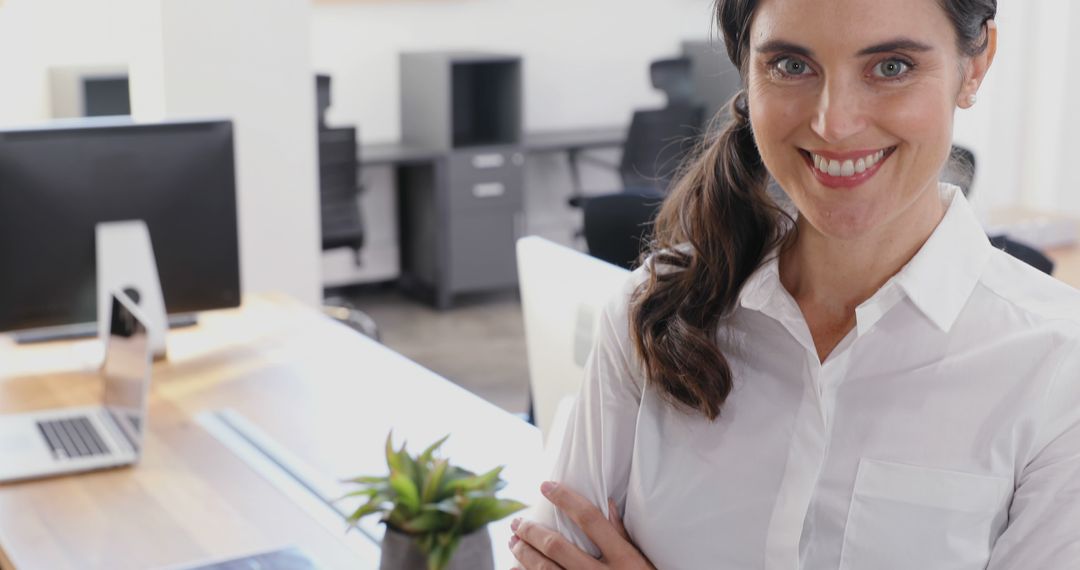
[[715, 229]]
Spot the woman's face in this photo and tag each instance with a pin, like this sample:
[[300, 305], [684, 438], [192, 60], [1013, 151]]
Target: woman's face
[[852, 103]]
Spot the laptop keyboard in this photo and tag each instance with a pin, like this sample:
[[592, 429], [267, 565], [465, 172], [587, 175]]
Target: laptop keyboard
[[72, 438]]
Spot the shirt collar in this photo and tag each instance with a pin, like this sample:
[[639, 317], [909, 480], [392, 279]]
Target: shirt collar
[[938, 280], [942, 275]]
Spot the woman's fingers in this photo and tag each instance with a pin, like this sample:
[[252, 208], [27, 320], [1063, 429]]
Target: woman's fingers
[[554, 546], [589, 518], [616, 520], [529, 557]]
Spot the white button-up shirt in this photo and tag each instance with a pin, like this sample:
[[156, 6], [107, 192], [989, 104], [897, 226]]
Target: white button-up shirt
[[942, 432]]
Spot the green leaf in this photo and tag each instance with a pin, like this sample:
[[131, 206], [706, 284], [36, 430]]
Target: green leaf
[[429, 453], [366, 480], [360, 493], [448, 506], [372, 506], [434, 481], [486, 510], [480, 482], [409, 467], [407, 495], [392, 460]]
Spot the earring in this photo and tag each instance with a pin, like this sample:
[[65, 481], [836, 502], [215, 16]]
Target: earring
[[972, 99]]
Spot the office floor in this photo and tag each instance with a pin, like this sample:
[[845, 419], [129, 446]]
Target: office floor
[[479, 344]]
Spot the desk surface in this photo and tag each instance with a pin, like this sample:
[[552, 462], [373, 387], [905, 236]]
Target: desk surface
[[1066, 264], [324, 393], [394, 153]]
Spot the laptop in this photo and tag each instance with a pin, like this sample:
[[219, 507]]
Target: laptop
[[71, 440], [563, 292]]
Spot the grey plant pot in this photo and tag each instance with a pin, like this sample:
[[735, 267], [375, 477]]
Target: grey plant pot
[[399, 552]]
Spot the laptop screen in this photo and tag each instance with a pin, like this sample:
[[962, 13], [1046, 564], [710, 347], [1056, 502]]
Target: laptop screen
[[127, 368]]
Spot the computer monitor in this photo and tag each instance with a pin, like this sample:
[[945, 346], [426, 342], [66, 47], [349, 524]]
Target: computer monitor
[[106, 96], [57, 182]]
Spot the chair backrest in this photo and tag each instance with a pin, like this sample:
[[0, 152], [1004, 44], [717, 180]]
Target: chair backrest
[[656, 144], [960, 169], [322, 98], [1024, 252], [673, 77], [563, 292], [339, 187], [658, 139], [618, 225]]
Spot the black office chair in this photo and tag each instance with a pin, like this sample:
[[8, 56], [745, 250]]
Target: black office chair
[[618, 226], [960, 170], [339, 192], [658, 139]]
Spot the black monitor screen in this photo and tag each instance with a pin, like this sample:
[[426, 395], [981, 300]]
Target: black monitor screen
[[58, 183], [106, 96]]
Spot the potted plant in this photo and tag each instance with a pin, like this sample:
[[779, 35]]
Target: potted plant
[[436, 514]]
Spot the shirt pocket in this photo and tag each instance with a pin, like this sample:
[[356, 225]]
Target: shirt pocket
[[909, 517]]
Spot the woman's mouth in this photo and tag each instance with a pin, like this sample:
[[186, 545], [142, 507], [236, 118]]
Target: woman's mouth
[[846, 170]]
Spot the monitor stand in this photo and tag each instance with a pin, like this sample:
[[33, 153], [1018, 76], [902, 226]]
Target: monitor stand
[[87, 330], [125, 262]]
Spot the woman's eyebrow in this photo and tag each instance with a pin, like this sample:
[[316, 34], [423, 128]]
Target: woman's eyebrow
[[773, 46], [899, 44]]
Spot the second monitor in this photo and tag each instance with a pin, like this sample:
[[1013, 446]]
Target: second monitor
[[58, 182]]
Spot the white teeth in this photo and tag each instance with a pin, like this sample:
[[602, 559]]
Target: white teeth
[[847, 167]]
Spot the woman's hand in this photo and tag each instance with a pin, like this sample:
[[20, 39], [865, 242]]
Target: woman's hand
[[538, 548]]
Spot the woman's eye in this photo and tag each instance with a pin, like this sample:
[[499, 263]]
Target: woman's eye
[[791, 66], [891, 68]]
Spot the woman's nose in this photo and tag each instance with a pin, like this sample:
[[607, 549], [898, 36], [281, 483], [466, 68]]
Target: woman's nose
[[840, 112]]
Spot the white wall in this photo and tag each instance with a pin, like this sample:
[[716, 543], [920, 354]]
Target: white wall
[[37, 34], [586, 61]]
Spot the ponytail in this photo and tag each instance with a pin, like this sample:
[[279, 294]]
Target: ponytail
[[711, 234]]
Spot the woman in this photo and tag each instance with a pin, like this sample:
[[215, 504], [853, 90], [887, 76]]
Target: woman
[[865, 384]]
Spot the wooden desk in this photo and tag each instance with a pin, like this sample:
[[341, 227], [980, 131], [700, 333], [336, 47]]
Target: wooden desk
[[323, 392], [1066, 264]]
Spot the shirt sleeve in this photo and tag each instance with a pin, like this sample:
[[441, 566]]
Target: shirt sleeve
[[594, 457], [1044, 518]]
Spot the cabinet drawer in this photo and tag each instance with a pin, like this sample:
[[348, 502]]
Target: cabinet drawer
[[482, 250], [485, 180]]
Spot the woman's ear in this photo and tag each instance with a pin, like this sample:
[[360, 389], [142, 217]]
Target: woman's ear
[[976, 68]]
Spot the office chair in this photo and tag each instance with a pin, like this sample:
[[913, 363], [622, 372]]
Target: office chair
[[341, 218], [658, 138], [617, 226], [960, 170]]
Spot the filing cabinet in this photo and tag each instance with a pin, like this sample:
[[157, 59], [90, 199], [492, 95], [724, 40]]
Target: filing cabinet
[[461, 214]]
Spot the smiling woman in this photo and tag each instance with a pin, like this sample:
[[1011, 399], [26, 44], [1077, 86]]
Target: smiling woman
[[856, 379]]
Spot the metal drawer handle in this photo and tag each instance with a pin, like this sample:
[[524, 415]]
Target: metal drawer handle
[[489, 190], [484, 161]]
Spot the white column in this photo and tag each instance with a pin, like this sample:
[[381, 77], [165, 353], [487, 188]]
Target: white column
[[1046, 105], [1069, 189], [247, 60]]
